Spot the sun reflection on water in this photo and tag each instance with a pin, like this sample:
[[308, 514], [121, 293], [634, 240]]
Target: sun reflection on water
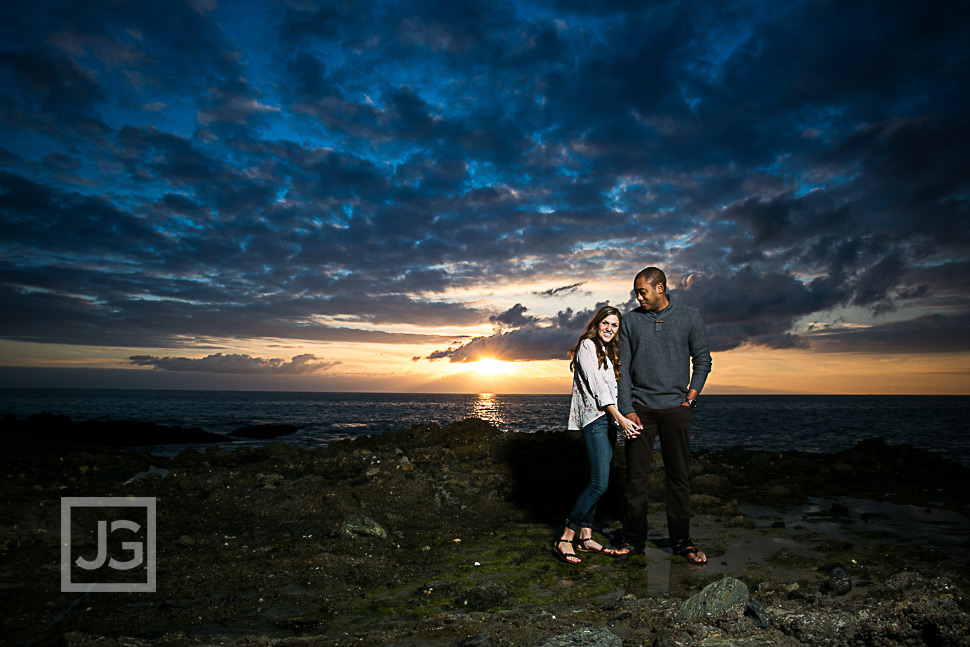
[[487, 408]]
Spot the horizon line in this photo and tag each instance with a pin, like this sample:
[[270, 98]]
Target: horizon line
[[479, 393]]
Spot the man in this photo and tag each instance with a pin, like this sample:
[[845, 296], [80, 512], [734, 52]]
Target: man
[[659, 341]]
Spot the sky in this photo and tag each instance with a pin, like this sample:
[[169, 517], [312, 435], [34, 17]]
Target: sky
[[430, 196]]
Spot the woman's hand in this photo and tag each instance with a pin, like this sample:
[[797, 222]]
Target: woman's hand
[[628, 428]]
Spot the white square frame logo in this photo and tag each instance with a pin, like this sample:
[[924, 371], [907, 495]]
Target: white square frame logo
[[68, 503]]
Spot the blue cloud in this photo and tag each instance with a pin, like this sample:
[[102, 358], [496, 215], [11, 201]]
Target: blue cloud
[[172, 175]]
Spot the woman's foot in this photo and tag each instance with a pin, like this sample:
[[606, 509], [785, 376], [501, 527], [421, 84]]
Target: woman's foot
[[590, 545], [565, 554]]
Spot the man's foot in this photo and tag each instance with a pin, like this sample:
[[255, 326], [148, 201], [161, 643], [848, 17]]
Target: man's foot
[[626, 545], [567, 555], [626, 549], [690, 552]]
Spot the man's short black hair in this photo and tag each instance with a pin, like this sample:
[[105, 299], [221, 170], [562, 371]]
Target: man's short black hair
[[652, 275]]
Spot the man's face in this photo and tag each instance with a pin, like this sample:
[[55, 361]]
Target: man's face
[[651, 297]]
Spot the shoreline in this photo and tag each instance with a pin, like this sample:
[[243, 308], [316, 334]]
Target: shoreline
[[815, 424], [438, 535]]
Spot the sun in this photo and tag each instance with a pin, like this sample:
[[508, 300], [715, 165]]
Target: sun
[[491, 366]]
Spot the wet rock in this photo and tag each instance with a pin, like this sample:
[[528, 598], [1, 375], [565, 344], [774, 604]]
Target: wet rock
[[362, 526], [437, 588], [918, 621], [480, 640], [903, 581], [818, 628], [115, 433], [588, 637], [713, 505], [79, 639], [739, 521], [778, 491], [485, 595], [442, 499], [754, 610], [839, 510], [839, 582], [299, 624], [715, 599], [708, 484], [270, 481], [909, 584]]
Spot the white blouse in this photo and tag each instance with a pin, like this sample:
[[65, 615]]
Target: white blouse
[[594, 387]]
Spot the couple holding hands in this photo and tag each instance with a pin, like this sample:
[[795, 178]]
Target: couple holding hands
[[638, 375]]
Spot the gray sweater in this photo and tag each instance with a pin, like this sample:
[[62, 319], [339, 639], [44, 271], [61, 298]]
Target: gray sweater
[[656, 349]]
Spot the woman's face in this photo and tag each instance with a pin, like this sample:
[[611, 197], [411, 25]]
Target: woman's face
[[608, 327]]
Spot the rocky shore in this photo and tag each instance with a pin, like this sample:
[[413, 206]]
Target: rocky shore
[[441, 536]]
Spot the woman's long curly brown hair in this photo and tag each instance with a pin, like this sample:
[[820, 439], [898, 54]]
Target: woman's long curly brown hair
[[602, 350]]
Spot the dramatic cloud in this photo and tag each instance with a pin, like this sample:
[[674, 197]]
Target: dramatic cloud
[[514, 317], [754, 308], [928, 333], [177, 174], [219, 363], [531, 338]]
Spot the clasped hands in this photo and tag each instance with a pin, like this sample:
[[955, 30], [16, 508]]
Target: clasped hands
[[631, 426]]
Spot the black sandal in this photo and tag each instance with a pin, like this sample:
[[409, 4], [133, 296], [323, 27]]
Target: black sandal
[[581, 546], [562, 555], [690, 552]]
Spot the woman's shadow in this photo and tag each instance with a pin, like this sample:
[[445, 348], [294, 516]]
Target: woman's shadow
[[550, 470]]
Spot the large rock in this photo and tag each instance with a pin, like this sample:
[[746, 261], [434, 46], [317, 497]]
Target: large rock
[[715, 599], [839, 582]]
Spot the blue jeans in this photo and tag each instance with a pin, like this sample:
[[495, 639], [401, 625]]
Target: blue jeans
[[600, 436]]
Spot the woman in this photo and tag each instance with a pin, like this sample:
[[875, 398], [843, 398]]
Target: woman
[[593, 409]]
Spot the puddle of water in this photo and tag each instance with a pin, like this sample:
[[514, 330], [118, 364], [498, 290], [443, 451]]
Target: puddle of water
[[857, 520], [861, 522], [161, 471]]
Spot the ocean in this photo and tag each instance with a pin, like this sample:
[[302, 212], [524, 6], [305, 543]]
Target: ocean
[[810, 423]]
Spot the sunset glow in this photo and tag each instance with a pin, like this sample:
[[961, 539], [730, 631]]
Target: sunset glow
[[493, 367]]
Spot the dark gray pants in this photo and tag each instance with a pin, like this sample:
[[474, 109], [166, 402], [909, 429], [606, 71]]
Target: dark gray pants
[[673, 427]]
